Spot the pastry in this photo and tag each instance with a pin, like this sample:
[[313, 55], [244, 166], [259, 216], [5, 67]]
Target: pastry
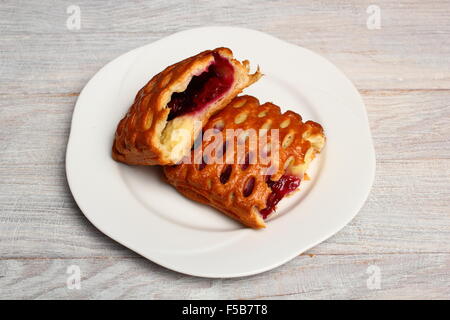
[[243, 179], [170, 110]]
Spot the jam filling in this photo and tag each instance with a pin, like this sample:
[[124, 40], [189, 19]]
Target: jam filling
[[203, 89], [286, 184]]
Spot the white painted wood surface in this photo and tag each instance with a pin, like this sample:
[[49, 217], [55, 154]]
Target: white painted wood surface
[[402, 70]]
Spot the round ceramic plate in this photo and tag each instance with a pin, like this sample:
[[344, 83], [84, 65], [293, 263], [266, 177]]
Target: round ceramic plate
[[134, 206]]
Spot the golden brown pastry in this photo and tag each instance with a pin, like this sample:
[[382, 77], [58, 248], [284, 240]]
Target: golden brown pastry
[[245, 185], [160, 126]]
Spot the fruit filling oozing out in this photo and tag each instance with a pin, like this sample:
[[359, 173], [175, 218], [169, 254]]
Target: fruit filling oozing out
[[203, 89], [286, 184]]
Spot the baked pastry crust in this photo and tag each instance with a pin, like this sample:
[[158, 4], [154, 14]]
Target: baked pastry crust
[[146, 137], [246, 191]]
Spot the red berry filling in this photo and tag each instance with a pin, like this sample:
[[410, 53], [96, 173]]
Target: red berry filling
[[286, 184], [203, 89]]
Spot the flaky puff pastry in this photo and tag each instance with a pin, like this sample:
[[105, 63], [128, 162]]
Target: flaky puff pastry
[[151, 133], [241, 186]]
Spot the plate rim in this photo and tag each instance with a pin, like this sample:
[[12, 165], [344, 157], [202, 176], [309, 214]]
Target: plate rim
[[90, 217]]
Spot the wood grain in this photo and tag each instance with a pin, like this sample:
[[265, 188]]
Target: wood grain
[[407, 210], [410, 50], [402, 71], [407, 276]]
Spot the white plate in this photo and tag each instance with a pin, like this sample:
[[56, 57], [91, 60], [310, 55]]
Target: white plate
[[135, 207]]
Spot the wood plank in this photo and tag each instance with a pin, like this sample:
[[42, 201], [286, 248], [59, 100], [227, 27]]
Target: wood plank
[[407, 276], [409, 124], [407, 210], [402, 71], [40, 55]]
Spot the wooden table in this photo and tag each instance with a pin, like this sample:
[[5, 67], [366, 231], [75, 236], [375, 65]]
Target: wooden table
[[401, 236]]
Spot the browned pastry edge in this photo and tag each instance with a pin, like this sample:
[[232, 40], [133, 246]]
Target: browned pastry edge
[[299, 142], [138, 135]]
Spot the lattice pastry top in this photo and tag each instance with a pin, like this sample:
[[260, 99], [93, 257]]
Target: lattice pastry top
[[185, 93], [243, 178]]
